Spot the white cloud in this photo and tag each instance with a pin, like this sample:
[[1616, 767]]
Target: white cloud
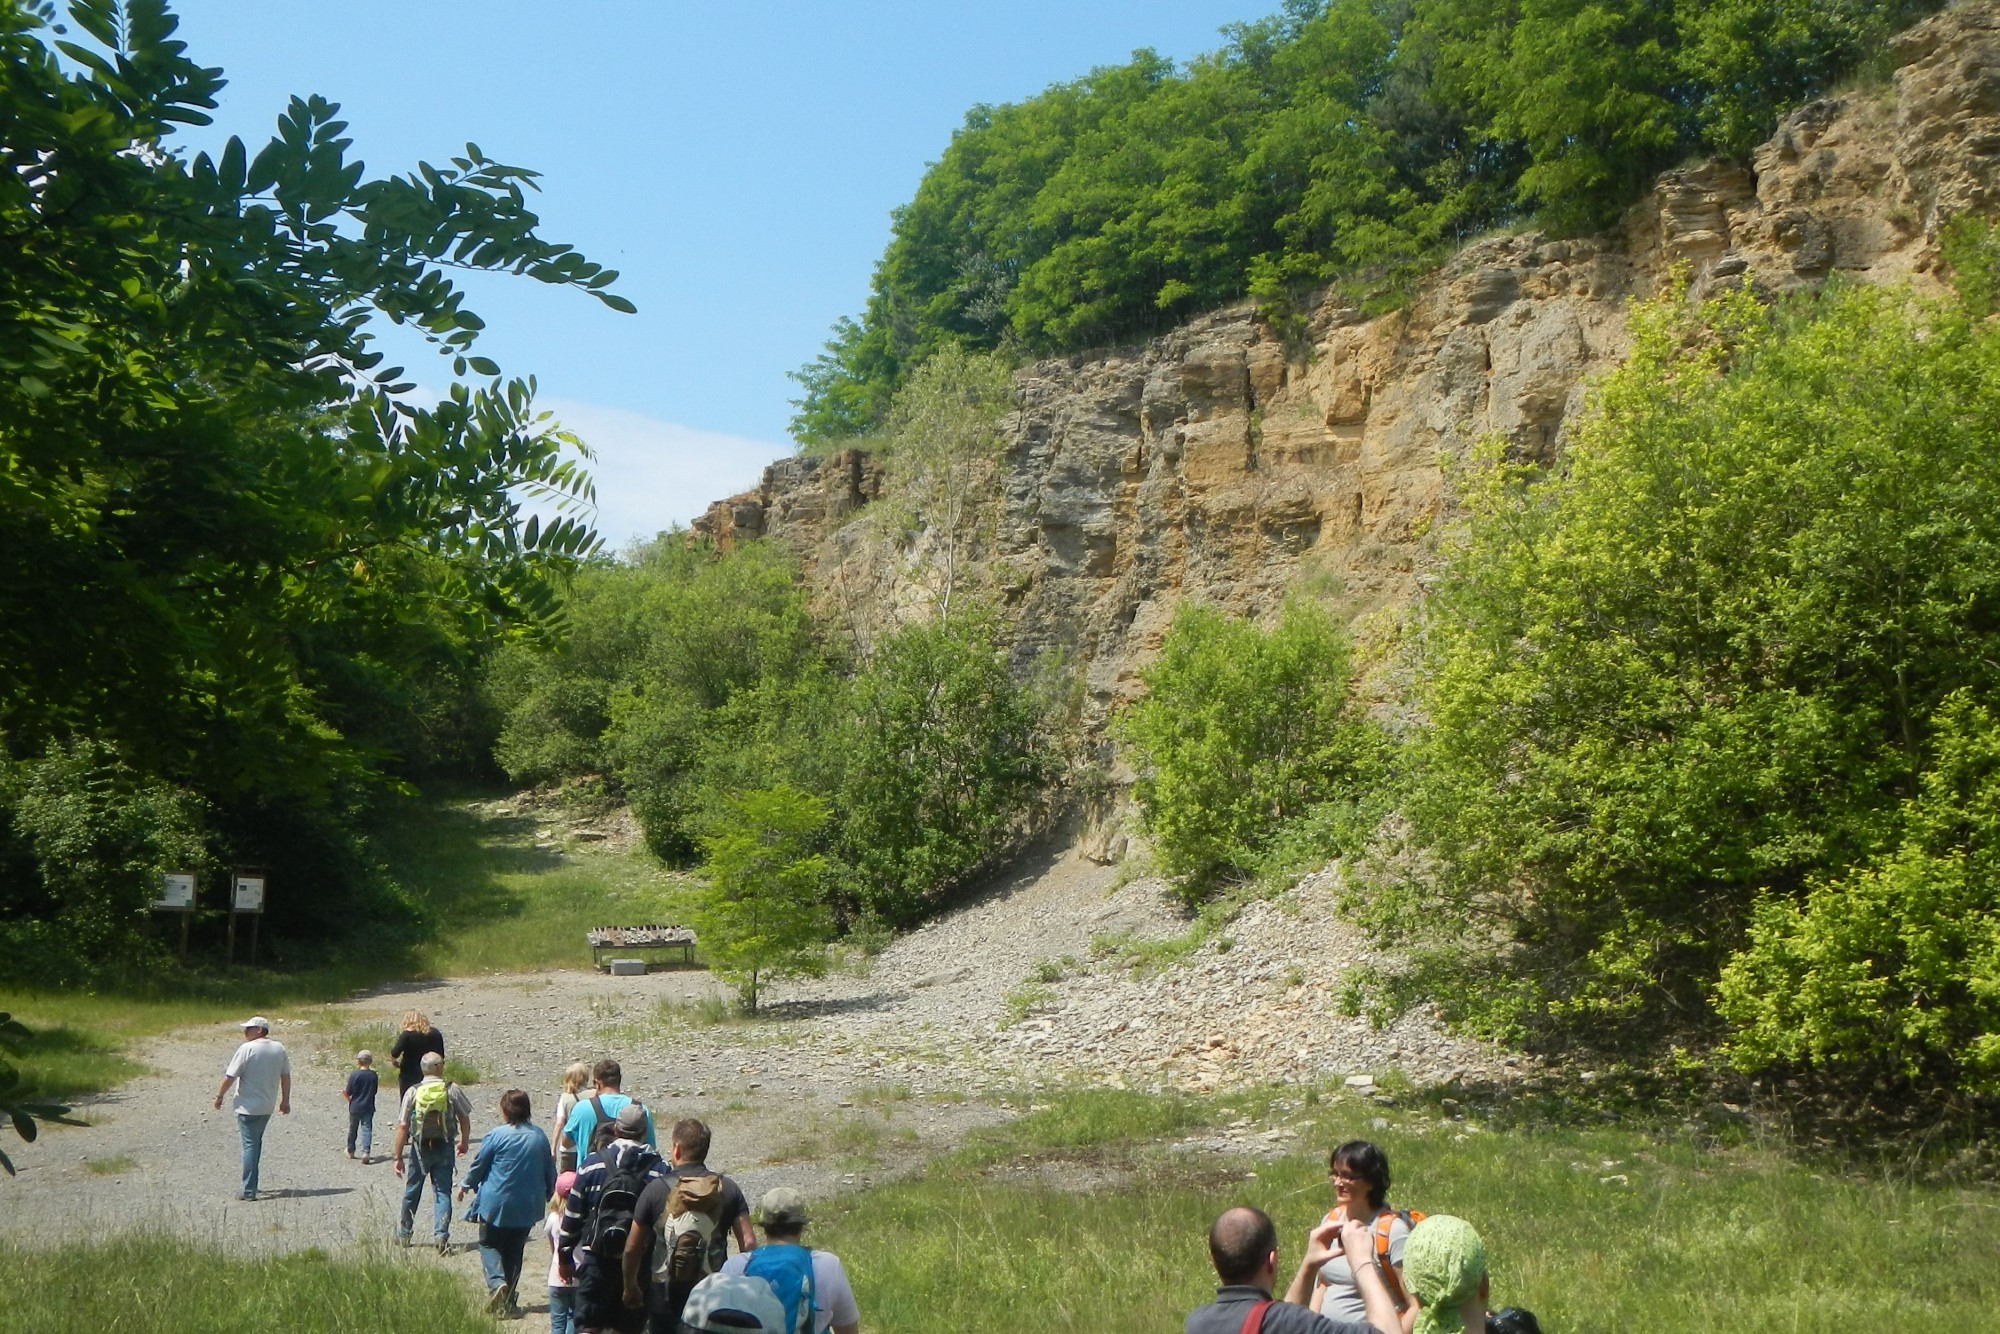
[[653, 474]]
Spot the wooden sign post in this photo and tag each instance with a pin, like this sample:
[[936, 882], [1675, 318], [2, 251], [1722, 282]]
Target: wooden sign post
[[246, 898], [177, 896]]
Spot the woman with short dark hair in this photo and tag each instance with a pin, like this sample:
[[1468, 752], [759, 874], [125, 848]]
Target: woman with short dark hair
[[1359, 1172], [514, 1173]]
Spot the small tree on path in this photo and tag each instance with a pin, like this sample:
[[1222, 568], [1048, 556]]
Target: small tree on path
[[762, 914]]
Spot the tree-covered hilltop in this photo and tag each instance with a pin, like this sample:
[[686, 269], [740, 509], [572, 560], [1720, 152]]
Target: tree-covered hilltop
[[1356, 139]]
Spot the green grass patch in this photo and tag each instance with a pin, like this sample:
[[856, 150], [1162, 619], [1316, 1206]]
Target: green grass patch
[[110, 1167], [461, 1072], [503, 904], [161, 1285], [78, 1044], [1077, 1217]]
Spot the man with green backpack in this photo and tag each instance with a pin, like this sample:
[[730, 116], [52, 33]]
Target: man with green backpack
[[434, 1114]]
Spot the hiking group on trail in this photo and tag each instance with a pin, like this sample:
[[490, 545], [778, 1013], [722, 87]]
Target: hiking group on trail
[[639, 1241]]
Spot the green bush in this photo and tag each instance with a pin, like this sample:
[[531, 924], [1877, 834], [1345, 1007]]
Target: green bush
[[86, 838], [1897, 963], [948, 758], [1700, 667], [1241, 731]]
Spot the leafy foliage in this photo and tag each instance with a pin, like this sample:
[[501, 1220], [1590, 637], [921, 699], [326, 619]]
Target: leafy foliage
[[947, 759], [234, 550], [763, 914], [84, 839], [1241, 733], [1694, 690], [1896, 964], [693, 677], [1355, 139]]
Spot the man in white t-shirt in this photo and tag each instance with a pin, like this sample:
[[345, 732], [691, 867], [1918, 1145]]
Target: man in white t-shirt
[[782, 1212], [262, 1074]]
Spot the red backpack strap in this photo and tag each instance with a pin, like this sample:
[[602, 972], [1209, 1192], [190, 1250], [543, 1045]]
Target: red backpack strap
[[1254, 1322]]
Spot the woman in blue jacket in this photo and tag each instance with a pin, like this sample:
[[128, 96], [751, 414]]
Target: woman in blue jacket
[[514, 1173]]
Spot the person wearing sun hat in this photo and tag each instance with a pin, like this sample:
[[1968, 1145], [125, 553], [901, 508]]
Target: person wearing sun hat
[[785, 1263], [262, 1074]]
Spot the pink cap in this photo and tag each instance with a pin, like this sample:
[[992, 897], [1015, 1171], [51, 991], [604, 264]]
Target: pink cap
[[563, 1183]]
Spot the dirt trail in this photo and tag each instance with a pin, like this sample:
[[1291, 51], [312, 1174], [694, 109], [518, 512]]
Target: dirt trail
[[846, 1081]]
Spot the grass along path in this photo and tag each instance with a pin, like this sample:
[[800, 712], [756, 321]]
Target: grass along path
[[1089, 1213], [148, 1284], [1069, 1219]]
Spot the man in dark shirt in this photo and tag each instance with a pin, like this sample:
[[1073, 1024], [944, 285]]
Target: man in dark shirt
[[600, 1307], [688, 1154], [1244, 1245]]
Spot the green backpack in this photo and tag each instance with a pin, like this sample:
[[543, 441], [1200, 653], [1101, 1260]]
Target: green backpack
[[430, 1115]]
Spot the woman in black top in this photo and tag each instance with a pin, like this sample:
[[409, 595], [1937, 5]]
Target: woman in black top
[[416, 1038]]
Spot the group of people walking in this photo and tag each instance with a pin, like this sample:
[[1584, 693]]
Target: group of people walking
[[638, 1241]]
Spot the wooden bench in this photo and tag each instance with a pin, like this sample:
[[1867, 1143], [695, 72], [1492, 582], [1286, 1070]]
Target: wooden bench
[[608, 938]]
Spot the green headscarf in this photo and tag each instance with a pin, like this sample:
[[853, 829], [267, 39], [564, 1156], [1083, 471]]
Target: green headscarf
[[1443, 1262]]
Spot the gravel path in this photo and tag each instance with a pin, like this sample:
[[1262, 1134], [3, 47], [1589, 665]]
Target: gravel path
[[848, 1080]]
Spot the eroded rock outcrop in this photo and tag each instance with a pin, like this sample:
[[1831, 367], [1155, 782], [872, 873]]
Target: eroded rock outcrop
[[1219, 463]]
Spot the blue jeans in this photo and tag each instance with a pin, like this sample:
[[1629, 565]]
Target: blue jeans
[[361, 1124], [439, 1169], [250, 1129], [500, 1251], [562, 1311]]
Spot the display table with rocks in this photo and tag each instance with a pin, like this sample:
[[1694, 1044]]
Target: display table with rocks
[[606, 939]]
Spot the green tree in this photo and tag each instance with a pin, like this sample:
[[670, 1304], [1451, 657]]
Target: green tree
[[947, 759], [762, 914], [225, 524], [1701, 664], [1240, 731], [1345, 140]]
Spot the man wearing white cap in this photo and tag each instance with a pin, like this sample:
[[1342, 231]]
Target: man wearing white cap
[[732, 1304], [803, 1280], [262, 1074]]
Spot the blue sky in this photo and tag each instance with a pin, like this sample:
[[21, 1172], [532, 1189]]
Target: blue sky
[[737, 163]]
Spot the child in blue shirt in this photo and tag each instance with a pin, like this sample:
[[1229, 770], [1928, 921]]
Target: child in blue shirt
[[360, 1094]]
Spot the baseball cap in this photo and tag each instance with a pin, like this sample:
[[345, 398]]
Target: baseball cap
[[782, 1207], [728, 1303], [255, 1021], [631, 1121], [563, 1184]]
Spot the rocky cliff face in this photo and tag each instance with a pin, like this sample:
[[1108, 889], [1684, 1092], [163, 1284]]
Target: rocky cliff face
[[1219, 463]]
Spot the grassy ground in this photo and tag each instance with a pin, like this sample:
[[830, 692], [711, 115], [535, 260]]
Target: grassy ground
[[502, 904], [1088, 1214], [1066, 1221], [164, 1285], [498, 901]]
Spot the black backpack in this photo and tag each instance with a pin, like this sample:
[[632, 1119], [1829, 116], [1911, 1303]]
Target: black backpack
[[605, 1128], [610, 1221]]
